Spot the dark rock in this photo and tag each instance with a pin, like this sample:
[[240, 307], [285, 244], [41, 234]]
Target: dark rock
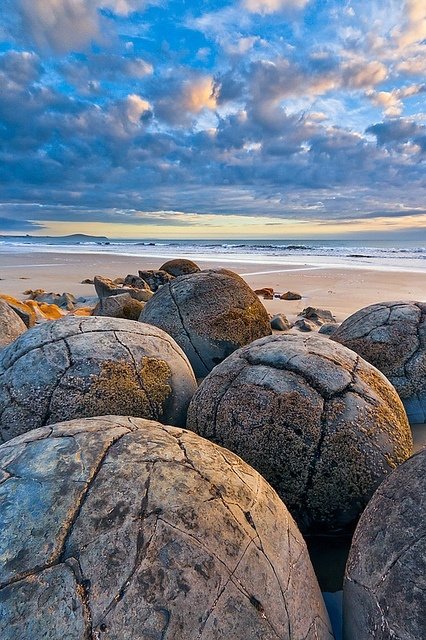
[[180, 267], [305, 325], [88, 366], [209, 314], [87, 281], [136, 282], [11, 325], [290, 295], [328, 328], [155, 278], [279, 322], [267, 293], [143, 531], [64, 300], [323, 426], [319, 316], [120, 306], [106, 287], [384, 593], [392, 336]]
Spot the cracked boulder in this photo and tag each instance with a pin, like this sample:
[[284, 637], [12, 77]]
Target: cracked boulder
[[80, 367], [180, 267], [323, 426], [384, 592], [209, 314], [392, 336], [143, 531], [11, 325]]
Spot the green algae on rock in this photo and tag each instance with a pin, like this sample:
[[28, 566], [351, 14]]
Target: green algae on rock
[[146, 531], [323, 426]]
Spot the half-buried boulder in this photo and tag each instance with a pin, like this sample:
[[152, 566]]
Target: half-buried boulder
[[142, 531], [80, 367], [11, 325], [384, 593], [392, 336], [323, 426], [180, 267], [209, 314]]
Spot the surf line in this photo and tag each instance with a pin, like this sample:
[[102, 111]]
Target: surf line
[[23, 266], [262, 273]]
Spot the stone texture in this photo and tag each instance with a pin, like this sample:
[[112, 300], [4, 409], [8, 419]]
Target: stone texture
[[290, 295], [80, 367], [319, 316], [384, 594], [136, 281], [209, 314], [328, 328], [279, 322], [106, 287], [392, 337], [120, 306], [23, 310], [155, 278], [180, 267], [323, 426], [146, 532], [306, 325], [11, 325]]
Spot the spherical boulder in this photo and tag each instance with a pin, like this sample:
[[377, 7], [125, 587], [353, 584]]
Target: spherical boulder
[[392, 337], [11, 325], [118, 527], [209, 314], [180, 267], [80, 367], [384, 592], [323, 426]]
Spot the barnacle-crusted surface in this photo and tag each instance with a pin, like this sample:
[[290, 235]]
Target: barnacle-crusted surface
[[319, 423], [392, 337], [144, 531], [81, 367]]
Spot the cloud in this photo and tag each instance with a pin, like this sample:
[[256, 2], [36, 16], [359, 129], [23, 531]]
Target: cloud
[[413, 29], [272, 6], [8, 225], [394, 133], [392, 101]]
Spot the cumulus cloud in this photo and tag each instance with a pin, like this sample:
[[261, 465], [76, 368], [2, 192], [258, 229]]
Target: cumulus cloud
[[413, 29], [392, 101]]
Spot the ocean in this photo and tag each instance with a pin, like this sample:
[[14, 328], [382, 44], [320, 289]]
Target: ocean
[[371, 254]]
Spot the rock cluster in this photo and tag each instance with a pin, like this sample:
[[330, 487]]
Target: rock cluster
[[80, 367], [209, 314], [392, 336], [385, 582], [323, 426], [145, 531]]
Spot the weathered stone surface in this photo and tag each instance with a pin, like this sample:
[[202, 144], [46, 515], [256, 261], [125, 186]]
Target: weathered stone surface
[[392, 336], [81, 367], [279, 322], [306, 325], [290, 295], [180, 267], [328, 328], [136, 281], [209, 314], [120, 306], [11, 325], [24, 311], [106, 287], [323, 426], [155, 278], [64, 300], [319, 316], [384, 594], [143, 531]]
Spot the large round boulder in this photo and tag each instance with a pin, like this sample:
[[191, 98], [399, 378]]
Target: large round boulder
[[323, 426], [384, 593], [392, 336], [209, 314], [11, 325], [118, 527], [180, 267], [80, 367]]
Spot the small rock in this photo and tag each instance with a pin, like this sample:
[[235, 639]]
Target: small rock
[[305, 325], [319, 316], [279, 322], [328, 328], [290, 295], [33, 293], [180, 267], [155, 278], [87, 281], [136, 282], [120, 306], [266, 292], [106, 287]]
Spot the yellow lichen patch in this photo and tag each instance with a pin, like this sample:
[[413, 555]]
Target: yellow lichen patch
[[239, 325], [50, 311], [22, 306], [155, 375], [83, 311]]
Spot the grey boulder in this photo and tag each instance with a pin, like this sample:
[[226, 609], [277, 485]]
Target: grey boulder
[[141, 532], [119, 306], [11, 325], [180, 267]]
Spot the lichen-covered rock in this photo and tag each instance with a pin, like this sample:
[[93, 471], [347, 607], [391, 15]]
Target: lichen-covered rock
[[80, 367], [23, 310], [209, 314], [323, 426], [180, 267], [392, 337], [142, 531], [384, 593], [11, 325]]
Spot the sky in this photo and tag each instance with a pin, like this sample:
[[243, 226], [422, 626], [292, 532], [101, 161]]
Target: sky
[[208, 118]]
